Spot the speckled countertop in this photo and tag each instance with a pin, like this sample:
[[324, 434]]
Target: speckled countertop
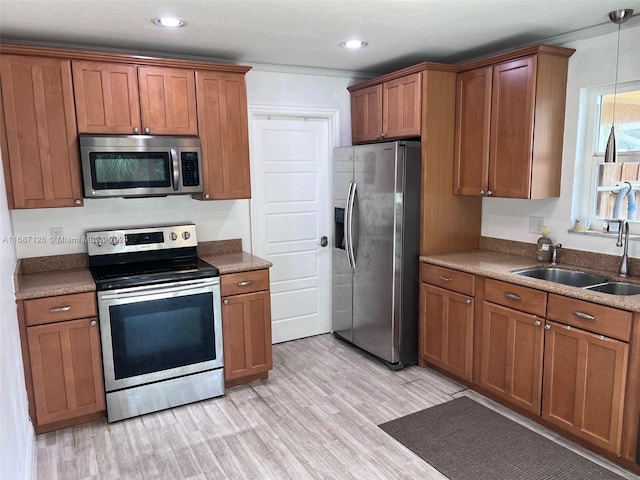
[[65, 274], [500, 266], [236, 262]]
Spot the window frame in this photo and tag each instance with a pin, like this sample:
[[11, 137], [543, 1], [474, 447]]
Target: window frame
[[593, 158]]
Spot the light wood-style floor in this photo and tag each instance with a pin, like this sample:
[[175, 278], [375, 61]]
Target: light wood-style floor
[[316, 417]]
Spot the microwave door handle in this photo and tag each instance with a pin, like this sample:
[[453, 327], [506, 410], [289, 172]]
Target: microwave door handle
[[176, 169]]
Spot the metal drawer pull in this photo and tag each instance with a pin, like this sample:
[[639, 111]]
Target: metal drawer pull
[[547, 326], [467, 301], [60, 309], [225, 301], [537, 323], [444, 279], [245, 283], [584, 316], [512, 296], [93, 323]]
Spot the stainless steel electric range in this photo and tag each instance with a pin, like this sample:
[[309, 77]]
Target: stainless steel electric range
[[160, 319]]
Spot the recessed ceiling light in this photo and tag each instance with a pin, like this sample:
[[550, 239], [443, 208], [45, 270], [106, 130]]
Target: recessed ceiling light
[[354, 44], [169, 22]]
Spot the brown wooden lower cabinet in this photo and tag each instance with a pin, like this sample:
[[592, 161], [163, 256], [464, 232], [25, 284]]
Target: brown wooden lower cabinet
[[246, 328], [584, 384], [66, 369], [512, 353], [446, 330], [570, 363]]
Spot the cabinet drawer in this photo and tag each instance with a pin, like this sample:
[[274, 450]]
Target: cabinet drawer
[[60, 308], [455, 280], [521, 298], [590, 316], [244, 282]]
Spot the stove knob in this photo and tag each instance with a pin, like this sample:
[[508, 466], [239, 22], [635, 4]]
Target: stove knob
[[113, 240], [99, 241], [173, 236], [186, 235]]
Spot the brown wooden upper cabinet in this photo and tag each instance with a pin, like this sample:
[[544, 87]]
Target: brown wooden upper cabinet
[[510, 124], [387, 110], [40, 148], [224, 135], [119, 98]]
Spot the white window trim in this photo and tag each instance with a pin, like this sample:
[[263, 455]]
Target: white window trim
[[590, 159]]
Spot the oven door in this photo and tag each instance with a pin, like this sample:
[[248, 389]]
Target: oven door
[[151, 333]]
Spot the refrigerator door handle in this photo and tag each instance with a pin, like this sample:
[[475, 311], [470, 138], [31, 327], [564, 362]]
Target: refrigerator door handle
[[347, 226], [350, 243]]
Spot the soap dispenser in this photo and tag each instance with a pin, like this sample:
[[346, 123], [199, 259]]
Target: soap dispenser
[[544, 246]]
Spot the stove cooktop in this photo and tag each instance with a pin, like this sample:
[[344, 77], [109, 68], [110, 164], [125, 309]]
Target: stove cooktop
[[145, 256], [109, 277]]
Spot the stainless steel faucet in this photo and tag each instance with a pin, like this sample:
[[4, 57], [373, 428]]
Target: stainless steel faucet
[[554, 253], [623, 271]]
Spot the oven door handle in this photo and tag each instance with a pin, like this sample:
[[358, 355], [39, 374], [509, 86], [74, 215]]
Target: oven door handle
[[155, 290]]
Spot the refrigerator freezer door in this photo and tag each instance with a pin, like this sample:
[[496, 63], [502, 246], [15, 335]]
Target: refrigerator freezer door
[[378, 208], [342, 276]]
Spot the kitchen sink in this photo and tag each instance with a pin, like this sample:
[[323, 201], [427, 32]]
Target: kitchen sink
[[573, 278], [616, 288]]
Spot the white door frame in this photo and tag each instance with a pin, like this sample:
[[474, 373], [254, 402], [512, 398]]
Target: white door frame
[[332, 116]]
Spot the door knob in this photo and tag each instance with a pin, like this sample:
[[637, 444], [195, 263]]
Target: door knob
[[324, 241]]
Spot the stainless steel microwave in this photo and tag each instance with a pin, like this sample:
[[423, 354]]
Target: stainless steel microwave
[[140, 165]]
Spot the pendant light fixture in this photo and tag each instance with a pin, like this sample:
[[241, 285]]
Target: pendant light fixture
[[618, 17]]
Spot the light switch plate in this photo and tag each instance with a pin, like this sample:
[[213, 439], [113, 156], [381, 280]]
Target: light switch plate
[[536, 224]]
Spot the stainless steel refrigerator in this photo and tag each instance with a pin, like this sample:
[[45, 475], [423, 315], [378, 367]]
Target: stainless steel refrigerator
[[376, 206]]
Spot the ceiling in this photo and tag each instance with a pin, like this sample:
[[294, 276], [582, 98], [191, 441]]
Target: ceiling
[[307, 33]]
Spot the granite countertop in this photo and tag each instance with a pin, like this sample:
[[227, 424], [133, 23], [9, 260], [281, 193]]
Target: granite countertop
[[500, 266], [52, 283], [65, 274], [234, 262]]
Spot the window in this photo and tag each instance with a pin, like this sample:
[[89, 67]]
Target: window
[[613, 187]]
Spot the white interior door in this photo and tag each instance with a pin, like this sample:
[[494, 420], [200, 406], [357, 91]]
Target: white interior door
[[290, 214]]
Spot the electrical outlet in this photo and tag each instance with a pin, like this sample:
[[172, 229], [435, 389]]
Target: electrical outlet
[[56, 235], [535, 224]]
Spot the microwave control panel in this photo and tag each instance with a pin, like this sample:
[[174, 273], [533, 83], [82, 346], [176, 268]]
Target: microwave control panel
[[190, 169]]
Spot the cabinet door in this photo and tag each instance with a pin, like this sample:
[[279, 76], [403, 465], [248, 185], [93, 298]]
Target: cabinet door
[[167, 101], [366, 114], [446, 330], [512, 352], [66, 368], [584, 383], [510, 151], [224, 137], [473, 125], [42, 139], [402, 107], [106, 96], [246, 327]]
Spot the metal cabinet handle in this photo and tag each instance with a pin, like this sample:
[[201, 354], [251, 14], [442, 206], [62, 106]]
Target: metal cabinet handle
[[147, 130], [136, 129], [489, 193], [537, 323], [206, 195], [77, 201], [444, 279], [481, 192], [547, 327], [467, 301], [584, 316], [93, 323], [60, 309], [511, 296], [225, 301], [245, 283]]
